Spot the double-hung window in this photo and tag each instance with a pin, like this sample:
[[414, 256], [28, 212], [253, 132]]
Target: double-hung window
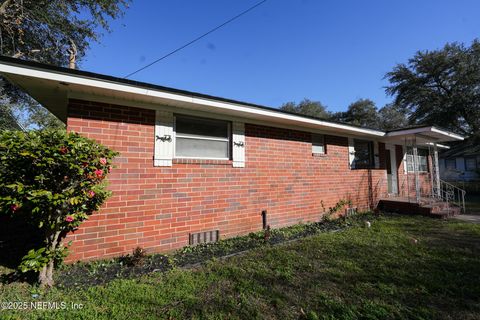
[[450, 164], [318, 143], [422, 160], [200, 138], [471, 164], [363, 154]]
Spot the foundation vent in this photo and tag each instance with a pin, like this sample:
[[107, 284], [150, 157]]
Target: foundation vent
[[204, 237], [350, 212]]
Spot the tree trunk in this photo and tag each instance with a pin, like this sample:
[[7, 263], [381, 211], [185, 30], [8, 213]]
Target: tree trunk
[[45, 277], [73, 55]]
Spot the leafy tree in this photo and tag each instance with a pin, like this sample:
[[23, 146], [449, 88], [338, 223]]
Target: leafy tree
[[50, 31], [307, 107], [7, 120], [440, 87], [55, 180], [362, 112], [392, 117]]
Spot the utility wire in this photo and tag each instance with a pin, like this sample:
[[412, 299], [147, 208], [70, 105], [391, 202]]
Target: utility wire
[[196, 39]]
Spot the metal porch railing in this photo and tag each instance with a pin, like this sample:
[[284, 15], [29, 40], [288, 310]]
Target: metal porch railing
[[442, 191], [451, 194]]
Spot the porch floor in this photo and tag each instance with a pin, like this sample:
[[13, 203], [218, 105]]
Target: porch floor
[[424, 206]]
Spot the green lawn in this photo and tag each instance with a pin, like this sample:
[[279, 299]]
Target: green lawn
[[360, 273]]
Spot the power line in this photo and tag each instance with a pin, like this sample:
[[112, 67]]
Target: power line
[[196, 39]]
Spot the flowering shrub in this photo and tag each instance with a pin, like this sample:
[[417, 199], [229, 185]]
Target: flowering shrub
[[56, 179]]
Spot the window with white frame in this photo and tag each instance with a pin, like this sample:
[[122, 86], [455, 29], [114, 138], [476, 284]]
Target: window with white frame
[[471, 164], [200, 138], [422, 160], [318, 143]]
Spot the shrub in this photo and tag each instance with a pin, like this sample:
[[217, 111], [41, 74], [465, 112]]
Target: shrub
[[56, 180]]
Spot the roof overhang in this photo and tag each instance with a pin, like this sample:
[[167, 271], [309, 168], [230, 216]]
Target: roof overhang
[[422, 135], [53, 87]]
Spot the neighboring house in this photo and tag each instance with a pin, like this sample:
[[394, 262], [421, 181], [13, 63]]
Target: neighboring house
[[194, 167], [461, 162]]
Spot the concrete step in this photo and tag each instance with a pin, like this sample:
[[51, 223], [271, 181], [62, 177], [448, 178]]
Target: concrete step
[[432, 208], [446, 213], [441, 208]]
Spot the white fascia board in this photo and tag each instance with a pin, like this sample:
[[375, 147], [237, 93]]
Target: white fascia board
[[408, 131], [221, 105], [285, 116], [447, 133], [424, 130], [441, 146]]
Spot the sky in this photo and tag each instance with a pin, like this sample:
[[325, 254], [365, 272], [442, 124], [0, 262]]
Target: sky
[[332, 51]]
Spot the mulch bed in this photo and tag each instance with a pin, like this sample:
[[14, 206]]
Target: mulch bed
[[129, 267]]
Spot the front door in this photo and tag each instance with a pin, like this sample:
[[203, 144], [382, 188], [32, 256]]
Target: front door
[[392, 183]]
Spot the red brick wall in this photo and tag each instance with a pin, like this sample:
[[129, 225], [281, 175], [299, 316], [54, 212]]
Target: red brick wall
[[157, 207]]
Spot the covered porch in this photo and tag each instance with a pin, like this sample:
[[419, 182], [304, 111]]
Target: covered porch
[[413, 183]]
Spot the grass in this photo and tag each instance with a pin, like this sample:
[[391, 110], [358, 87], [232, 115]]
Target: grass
[[400, 268]]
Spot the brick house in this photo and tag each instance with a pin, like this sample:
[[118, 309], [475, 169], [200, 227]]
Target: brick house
[[196, 165]]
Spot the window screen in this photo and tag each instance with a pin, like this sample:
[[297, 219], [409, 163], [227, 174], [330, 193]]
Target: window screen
[[470, 164], [201, 138], [318, 143], [422, 160], [363, 154], [450, 164]]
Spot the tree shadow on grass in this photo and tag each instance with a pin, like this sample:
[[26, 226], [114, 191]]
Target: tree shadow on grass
[[17, 237]]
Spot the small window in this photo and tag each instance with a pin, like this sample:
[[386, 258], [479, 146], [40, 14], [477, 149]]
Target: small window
[[363, 154], [470, 164], [422, 160], [450, 164], [201, 138], [318, 143]]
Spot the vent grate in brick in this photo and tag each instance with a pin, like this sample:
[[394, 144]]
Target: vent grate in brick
[[350, 211], [204, 237]]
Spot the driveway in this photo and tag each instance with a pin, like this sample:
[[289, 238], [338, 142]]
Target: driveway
[[469, 218]]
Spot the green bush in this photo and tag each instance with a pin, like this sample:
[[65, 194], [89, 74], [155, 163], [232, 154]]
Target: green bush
[[56, 180]]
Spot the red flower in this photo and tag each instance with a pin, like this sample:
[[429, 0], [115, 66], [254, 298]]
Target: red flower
[[14, 207], [63, 150], [99, 173], [69, 218], [91, 194], [84, 164], [103, 161]]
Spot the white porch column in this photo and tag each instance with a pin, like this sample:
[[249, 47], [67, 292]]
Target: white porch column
[[436, 172], [415, 170]]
